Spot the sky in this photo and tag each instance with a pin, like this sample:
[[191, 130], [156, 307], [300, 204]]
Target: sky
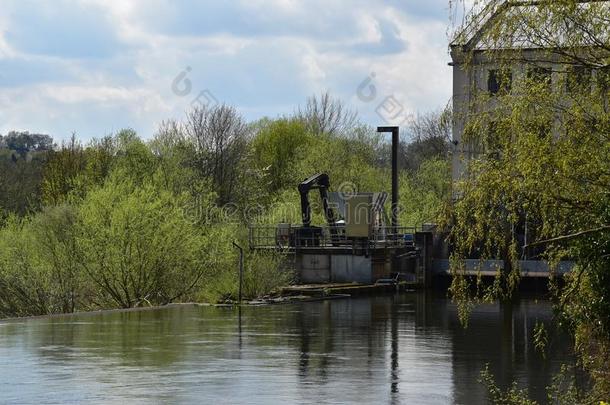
[[93, 67]]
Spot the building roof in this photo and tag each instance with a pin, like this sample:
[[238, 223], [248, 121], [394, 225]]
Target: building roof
[[513, 24]]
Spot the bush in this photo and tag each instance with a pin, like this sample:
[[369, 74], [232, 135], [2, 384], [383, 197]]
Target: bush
[[137, 245], [262, 270], [55, 249], [26, 287]]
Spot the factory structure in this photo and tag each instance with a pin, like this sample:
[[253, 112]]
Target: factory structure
[[360, 242], [480, 67]]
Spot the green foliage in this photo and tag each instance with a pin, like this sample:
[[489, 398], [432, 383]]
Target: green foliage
[[540, 338], [24, 285], [285, 208], [39, 270], [277, 148], [497, 396], [348, 160], [126, 223], [20, 180], [137, 246], [430, 134], [424, 193], [55, 246], [540, 155], [23, 142], [262, 272], [61, 172]]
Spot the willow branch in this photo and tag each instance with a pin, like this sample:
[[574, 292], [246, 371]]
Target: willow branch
[[568, 237]]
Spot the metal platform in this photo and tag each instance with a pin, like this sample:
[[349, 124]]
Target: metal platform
[[326, 255], [287, 237]]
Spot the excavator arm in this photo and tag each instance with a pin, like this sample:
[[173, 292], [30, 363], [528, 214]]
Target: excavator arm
[[321, 182]]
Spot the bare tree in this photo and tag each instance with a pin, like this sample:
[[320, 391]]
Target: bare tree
[[169, 135], [430, 137], [327, 114], [433, 126], [219, 135]]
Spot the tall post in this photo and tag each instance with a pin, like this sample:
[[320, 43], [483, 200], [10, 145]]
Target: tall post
[[241, 268], [395, 144]]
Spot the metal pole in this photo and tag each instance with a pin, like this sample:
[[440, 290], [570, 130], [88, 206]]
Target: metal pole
[[241, 268], [395, 144], [395, 179]]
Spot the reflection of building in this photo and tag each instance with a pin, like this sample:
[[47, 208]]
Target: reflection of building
[[502, 336], [406, 348], [477, 71], [411, 348]]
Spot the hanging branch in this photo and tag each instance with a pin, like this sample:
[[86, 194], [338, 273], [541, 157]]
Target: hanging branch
[[568, 237]]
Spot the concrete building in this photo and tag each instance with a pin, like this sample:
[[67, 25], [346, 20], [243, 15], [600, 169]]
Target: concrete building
[[484, 63]]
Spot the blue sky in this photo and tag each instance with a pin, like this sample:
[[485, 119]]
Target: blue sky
[[95, 66]]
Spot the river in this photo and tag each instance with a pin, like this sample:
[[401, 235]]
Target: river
[[407, 348]]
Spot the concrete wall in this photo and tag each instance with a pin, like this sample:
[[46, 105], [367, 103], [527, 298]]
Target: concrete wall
[[528, 268], [325, 268], [472, 78], [313, 268], [350, 268]]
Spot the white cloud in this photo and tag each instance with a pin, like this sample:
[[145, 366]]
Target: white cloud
[[264, 56]]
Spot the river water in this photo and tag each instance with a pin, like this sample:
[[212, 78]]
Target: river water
[[408, 348]]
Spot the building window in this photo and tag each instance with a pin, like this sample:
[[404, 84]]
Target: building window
[[540, 75], [578, 79], [603, 79], [499, 81], [541, 127], [492, 140]]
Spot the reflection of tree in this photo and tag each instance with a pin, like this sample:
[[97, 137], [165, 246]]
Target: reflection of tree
[[364, 344], [501, 335], [141, 338]]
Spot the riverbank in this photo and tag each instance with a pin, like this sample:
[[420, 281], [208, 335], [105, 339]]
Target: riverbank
[[286, 295], [309, 293]]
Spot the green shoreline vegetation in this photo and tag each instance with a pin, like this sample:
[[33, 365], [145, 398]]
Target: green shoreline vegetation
[[122, 222]]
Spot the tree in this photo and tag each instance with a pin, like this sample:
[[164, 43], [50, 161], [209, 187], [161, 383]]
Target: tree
[[425, 192], [24, 142], [40, 264], [219, 135], [60, 173], [430, 136], [543, 159], [327, 115], [276, 149], [55, 248], [137, 246], [24, 286], [20, 181]]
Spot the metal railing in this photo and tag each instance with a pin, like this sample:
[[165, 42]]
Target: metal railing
[[286, 236], [395, 237]]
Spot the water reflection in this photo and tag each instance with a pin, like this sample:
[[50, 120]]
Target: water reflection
[[408, 348]]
